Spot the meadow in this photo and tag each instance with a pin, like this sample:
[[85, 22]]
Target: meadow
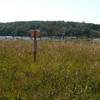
[[64, 70]]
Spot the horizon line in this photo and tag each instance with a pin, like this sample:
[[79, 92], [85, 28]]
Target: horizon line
[[49, 21]]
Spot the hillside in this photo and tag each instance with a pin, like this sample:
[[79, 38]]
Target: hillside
[[48, 28]]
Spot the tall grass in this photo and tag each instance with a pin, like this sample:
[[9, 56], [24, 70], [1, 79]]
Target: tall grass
[[65, 70]]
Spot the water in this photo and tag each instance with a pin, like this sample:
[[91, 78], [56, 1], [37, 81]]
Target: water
[[56, 38], [28, 38]]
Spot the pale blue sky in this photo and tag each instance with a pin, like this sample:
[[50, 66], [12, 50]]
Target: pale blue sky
[[67, 10]]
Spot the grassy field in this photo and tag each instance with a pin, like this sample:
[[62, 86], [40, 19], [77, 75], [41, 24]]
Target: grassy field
[[65, 70]]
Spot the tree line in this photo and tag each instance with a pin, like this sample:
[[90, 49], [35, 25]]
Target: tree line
[[50, 28]]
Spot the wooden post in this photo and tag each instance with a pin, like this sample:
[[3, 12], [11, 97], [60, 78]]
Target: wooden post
[[35, 45], [34, 34]]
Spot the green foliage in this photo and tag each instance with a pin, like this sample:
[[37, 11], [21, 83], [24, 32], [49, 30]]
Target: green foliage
[[49, 28], [65, 70]]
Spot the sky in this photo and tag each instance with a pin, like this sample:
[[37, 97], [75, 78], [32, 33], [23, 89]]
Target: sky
[[51, 10]]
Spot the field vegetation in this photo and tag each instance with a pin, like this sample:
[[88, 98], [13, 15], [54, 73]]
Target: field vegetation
[[64, 70]]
